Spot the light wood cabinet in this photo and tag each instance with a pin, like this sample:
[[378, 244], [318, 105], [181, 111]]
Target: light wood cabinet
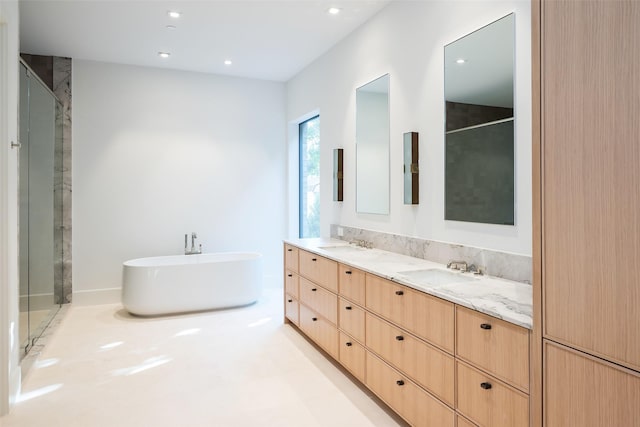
[[319, 270], [489, 402], [322, 301], [351, 319], [320, 330], [591, 152], [587, 392], [407, 399], [291, 309], [291, 283], [463, 422], [352, 356], [428, 317], [351, 284], [499, 347], [291, 258], [428, 366]]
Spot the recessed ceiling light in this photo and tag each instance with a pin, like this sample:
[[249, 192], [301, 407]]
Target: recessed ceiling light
[[173, 14], [164, 54], [171, 27], [461, 61], [334, 10], [227, 62]]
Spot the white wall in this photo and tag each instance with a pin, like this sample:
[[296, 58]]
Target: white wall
[[159, 153], [406, 40], [9, 351]]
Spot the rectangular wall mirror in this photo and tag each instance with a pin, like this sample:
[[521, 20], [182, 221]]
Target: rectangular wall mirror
[[372, 147], [479, 136]]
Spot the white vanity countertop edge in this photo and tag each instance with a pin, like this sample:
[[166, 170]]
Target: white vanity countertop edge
[[505, 299]]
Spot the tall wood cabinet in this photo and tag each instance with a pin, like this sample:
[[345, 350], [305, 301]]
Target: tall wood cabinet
[[587, 210]]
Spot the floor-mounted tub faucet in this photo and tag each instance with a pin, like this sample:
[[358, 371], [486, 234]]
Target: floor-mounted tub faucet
[[193, 249]]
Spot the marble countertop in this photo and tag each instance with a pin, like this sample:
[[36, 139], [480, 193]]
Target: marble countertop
[[505, 299]]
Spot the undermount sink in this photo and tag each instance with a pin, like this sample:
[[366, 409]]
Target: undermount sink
[[341, 248], [434, 276]]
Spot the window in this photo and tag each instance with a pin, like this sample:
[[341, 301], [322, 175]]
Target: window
[[309, 132]]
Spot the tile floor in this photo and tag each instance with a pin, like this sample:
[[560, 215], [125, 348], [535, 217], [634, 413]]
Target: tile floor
[[237, 367]]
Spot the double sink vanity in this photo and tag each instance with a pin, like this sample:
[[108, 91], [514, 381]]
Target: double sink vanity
[[439, 347]]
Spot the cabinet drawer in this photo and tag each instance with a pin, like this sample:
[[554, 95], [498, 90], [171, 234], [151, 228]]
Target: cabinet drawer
[[428, 366], [428, 317], [351, 319], [291, 283], [351, 283], [319, 330], [352, 356], [319, 299], [320, 270], [494, 345], [291, 309], [407, 399], [291, 258], [489, 402], [463, 422]]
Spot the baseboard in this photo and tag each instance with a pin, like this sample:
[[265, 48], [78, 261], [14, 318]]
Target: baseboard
[[97, 296], [36, 302]]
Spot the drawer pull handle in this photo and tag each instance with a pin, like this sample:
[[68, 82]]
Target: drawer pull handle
[[314, 318], [289, 275], [314, 289], [347, 272], [289, 250], [399, 292], [290, 300], [486, 386], [348, 307], [314, 259], [400, 382], [349, 344], [485, 326], [399, 338]]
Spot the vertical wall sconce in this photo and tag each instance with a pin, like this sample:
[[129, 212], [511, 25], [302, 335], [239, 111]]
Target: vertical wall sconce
[[337, 174], [411, 170]]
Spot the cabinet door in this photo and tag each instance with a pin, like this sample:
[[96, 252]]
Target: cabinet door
[[428, 366], [583, 391], [320, 300], [352, 356], [352, 319], [494, 345], [291, 309], [591, 178], [351, 283], [412, 403], [428, 317], [320, 270], [291, 258], [291, 283], [319, 330]]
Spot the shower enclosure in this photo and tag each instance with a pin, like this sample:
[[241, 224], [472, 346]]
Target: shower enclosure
[[40, 199]]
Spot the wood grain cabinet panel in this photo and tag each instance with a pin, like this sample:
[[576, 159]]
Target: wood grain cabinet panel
[[580, 390], [291, 309], [426, 365], [489, 402], [352, 356], [494, 345], [351, 284], [291, 258], [428, 317], [591, 178], [412, 403], [319, 330], [291, 283], [320, 270], [463, 422], [351, 319], [320, 300]]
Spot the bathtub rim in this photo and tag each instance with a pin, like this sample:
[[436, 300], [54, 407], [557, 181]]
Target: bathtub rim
[[205, 258]]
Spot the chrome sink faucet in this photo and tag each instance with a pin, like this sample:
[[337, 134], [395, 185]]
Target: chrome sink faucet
[[457, 265], [193, 250]]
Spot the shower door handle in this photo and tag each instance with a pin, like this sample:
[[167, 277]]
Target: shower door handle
[[15, 144]]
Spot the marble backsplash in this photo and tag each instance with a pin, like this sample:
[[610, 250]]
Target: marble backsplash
[[495, 263]]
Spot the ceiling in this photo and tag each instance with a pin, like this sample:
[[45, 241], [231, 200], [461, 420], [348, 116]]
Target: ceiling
[[264, 39]]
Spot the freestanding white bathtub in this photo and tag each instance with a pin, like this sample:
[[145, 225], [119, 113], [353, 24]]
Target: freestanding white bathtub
[[183, 283]]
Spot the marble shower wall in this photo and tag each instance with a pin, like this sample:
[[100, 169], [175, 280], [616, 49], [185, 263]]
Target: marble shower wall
[[499, 264], [62, 179]]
